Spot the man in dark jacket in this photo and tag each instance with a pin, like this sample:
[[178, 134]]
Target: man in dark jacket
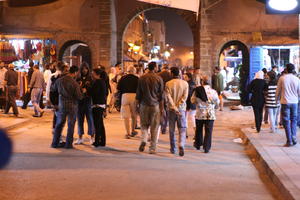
[[149, 97], [69, 94]]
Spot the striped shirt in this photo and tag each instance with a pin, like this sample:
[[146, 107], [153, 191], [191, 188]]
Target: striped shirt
[[271, 97]]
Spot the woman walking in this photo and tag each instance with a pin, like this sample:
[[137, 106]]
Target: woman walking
[[271, 104], [206, 100], [257, 88]]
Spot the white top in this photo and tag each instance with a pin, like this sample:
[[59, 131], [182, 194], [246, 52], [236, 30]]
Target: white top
[[2, 76], [48, 86], [288, 89]]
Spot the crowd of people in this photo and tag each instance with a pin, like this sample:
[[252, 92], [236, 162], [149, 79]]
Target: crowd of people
[[279, 95], [156, 97]]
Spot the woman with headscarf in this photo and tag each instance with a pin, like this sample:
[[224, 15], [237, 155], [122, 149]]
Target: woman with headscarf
[[257, 88], [206, 100]]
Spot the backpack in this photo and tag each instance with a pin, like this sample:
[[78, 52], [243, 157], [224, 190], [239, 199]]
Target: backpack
[[54, 93]]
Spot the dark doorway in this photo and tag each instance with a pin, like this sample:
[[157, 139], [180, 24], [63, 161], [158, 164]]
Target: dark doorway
[[75, 52], [236, 56]]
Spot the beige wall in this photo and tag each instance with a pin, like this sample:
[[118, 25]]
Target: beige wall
[[84, 20], [237, 20]]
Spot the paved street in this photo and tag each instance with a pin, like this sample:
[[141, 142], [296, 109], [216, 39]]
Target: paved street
[[119, 171]]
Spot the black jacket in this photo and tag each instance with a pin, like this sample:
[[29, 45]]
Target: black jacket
[[257, 88]]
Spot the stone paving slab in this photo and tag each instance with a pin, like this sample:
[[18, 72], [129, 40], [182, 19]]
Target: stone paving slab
[[9, 121], [282, 164]]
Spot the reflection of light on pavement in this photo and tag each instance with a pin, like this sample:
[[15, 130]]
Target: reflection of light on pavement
[[285, 5]]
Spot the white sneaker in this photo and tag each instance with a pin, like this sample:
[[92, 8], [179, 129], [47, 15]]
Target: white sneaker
[[79, 141]]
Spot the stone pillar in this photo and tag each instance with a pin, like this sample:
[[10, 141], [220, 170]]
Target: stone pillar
[[105, 32], [206, 61]]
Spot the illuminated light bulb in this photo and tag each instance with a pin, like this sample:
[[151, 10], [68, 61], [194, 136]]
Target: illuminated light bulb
[[286, 5]]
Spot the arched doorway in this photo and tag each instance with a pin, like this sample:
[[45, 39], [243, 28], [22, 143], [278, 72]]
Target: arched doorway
[[234, 58], [75, 52], [159, 35], [125, 20]]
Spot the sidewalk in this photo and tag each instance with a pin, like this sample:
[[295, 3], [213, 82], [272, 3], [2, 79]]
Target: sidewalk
[[280, 164], [9, 121]]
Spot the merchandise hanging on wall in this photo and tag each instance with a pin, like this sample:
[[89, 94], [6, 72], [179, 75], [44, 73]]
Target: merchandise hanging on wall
[[7, 52]]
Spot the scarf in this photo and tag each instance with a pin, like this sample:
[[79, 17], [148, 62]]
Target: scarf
[[201, 94]]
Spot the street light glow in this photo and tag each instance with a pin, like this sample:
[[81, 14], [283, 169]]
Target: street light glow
[[286, 5]]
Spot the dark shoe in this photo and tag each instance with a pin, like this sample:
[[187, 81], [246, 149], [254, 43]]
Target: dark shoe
[[24, 108], [35, 116], [295, 142], [181, 151], [41, 114], [96, 144], [288, 145], [127, 136], [137, 127], [172, 151], [59, 145], [102, 145], [134, 133], [196, 146], [142, 146], [206, 151]]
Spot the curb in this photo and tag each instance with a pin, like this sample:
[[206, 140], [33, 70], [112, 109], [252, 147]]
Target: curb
[[268, 167]]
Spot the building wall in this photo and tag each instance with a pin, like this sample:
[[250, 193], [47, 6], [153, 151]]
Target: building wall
[[86, 20], [236, 20]]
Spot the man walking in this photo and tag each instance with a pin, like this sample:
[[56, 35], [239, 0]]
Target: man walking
[[36, 86], [127, 87], [177, 92], [2, 77], [166, 76], [69, 94], [288, 91], [27, 95], [11, 82], [149, 97], [218, 84]]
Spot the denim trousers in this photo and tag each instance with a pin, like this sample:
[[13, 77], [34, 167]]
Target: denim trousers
[[85, 111], [273, 116], [180, 120], [36, 95], [298, 118], [62, 116], [289, 116]]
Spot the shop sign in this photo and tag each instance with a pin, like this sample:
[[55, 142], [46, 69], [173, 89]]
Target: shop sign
[[192, 5], [257, 37]]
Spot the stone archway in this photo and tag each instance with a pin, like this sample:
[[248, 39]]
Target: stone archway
[[84, 50], [189, 17], [244, 72]]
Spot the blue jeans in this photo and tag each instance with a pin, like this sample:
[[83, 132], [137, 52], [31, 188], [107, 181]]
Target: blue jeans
[[273, 118], [85, 110], [60, 123], [180, 119], [298, 118], [289, 116]]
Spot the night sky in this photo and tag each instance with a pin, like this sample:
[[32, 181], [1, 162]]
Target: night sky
[[177, 30]]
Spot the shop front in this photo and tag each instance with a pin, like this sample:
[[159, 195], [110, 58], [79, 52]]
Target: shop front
[[20, 50]]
